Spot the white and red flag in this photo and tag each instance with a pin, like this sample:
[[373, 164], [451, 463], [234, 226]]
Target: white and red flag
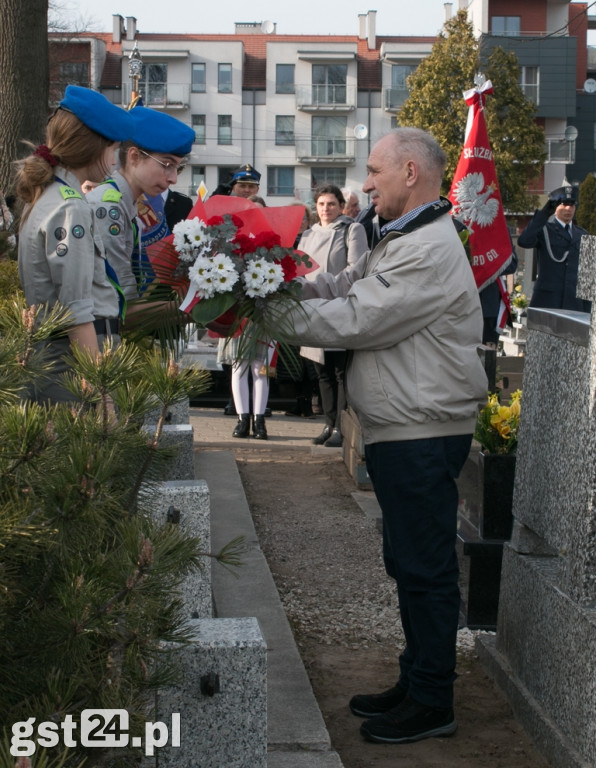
[[477, 201]]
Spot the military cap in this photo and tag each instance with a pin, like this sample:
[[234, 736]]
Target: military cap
[[563, 194], [247, 174], [97, 113], [157, 132]]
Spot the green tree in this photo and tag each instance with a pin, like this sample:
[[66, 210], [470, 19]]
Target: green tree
[[88, 580], [436, 104], [586, 210], [517, 140]]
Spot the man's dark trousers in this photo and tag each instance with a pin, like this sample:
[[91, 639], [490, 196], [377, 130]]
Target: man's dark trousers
[[414, 481]]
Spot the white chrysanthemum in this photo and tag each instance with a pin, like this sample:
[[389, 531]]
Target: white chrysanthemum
[[255, 279], [223, 273], [274, 277], [191, 238], [201, 277], [222, 263]]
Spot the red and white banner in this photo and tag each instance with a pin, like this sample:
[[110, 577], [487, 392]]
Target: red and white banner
[[476, 198]]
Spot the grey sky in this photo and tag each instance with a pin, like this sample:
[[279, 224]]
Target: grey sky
[[399, 17]]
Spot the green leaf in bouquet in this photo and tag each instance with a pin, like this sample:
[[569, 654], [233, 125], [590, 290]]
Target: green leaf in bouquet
[[207, 310]]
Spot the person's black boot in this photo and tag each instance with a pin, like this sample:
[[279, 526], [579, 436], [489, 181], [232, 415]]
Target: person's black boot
[[325, 435], [243, 426], [259, 431], [305, 406]]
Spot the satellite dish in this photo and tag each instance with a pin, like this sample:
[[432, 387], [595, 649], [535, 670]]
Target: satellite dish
[[570, 133], [360, 131], [268, 27], [590, 85]]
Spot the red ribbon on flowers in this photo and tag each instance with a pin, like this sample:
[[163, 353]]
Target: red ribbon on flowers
[[43, 151]]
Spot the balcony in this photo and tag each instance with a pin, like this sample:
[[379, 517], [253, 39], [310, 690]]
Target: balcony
[[160, 95], [326, 151], [393, 98], [326, 98]]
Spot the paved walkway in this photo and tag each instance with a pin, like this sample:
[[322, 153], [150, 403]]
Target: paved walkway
[[296, 733]]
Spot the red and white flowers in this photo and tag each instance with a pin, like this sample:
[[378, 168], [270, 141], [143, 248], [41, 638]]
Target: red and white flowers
[[228, 261]]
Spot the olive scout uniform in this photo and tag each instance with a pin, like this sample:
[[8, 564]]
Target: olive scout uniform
[[61, 257]]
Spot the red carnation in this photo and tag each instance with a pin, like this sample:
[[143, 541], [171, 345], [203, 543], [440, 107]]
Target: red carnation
[[289, 268], [244, 244], [267, 239], [215, 221]]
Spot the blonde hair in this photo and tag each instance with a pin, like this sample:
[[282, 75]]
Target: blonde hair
[[71, 143]]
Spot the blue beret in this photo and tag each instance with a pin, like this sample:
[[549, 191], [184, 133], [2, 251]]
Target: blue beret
[[246, 173], [97, 113], [566, 193], [157, 132]]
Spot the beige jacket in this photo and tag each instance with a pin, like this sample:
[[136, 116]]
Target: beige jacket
[[411, 314]]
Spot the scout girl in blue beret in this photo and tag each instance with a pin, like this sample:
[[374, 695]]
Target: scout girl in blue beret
[[61, 260], [149, 162]]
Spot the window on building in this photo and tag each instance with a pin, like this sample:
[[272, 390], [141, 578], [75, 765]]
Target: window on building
[[505, 25], [328, 136], [153, 84], [74, 73], [197, 175], [335, 176], [394, 123], [529, 79], [224, 129], [398, 93], [284, 129], [199, 77], [198, 126], [280, 180], [224, 78], [329, 83], [284, 78]]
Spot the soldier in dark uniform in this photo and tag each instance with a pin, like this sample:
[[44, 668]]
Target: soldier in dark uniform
[[61, 258], [556, 239]]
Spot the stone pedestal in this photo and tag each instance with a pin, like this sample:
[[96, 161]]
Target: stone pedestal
[[186, 503], [545, 650], [221, 698]]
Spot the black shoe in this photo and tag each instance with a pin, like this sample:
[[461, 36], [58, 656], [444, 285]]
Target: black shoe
[[305, 408], [259, 432], [335, 441], [325, 435], [371, 704], [267, 413], [243, 426], [230, 410], [409, 721]]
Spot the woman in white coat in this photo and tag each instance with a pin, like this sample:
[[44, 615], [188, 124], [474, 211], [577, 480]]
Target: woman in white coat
[[335, 243]]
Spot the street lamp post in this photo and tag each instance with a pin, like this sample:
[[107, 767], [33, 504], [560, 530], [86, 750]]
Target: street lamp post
[[135, 70]]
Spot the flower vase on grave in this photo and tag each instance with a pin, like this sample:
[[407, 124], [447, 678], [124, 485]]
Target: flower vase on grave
[[497, 474]]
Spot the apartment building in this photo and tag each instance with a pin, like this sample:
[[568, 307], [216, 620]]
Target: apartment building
[[304, 109], [549, 38]]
